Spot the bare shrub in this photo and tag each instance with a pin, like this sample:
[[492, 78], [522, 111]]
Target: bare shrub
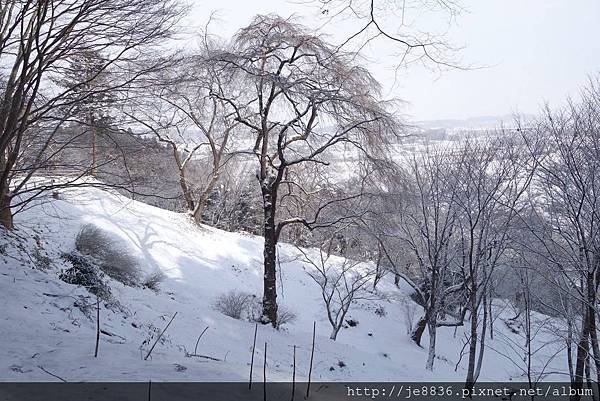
[[112, 256], [92, 240], [153, 280], [285, 315], [84, 273], [234, 304], [245, 306], [254, 312]]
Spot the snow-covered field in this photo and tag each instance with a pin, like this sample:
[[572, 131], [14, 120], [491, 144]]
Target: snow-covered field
[[44, 331]]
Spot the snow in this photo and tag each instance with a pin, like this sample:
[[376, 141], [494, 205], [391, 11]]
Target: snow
[[42, 327]]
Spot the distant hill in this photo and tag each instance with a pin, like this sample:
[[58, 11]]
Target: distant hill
[[473, 123]]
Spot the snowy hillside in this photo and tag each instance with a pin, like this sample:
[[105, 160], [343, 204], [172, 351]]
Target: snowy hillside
[[44, 330]]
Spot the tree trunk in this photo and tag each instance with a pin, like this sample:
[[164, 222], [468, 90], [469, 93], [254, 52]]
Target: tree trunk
[[185, 189], [94, 169], [484, 323], [335, 332], [588, 375], [470, 380], [270, 254], [187, 194], [582, 353], [591, 307], [419, 329], [379, 272], [431, 354], [491, 315], [528, 333], [6, 217], [203, 199], [568, 344]]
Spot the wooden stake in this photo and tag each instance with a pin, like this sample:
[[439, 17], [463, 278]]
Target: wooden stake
[[265, 375], [252, 359], [52, 374], [159, 337], [312, 354], [97, 326], [201, 334], [294, 375]]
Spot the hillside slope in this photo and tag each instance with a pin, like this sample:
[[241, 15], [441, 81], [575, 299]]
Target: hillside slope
[[43, 327]]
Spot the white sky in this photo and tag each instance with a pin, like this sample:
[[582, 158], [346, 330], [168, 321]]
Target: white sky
[[534, 51]]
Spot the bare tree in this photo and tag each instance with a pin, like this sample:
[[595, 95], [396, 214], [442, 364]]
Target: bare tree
[[414, 227], [528, 346], [88, 78], [302, 101], [36, 40], [491, 174], [566, 147], [427, 226], [342, 282], [179, 108]]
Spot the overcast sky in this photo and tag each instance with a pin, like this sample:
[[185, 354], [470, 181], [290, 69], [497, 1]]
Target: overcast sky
[[532, 51]]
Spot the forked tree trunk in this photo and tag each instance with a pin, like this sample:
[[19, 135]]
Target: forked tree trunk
[[337, 324], [203, 199], [187, 193], [185, 189], [334, 332]]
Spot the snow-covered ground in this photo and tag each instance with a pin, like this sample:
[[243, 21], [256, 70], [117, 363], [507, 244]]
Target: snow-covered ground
[[43, 329]]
